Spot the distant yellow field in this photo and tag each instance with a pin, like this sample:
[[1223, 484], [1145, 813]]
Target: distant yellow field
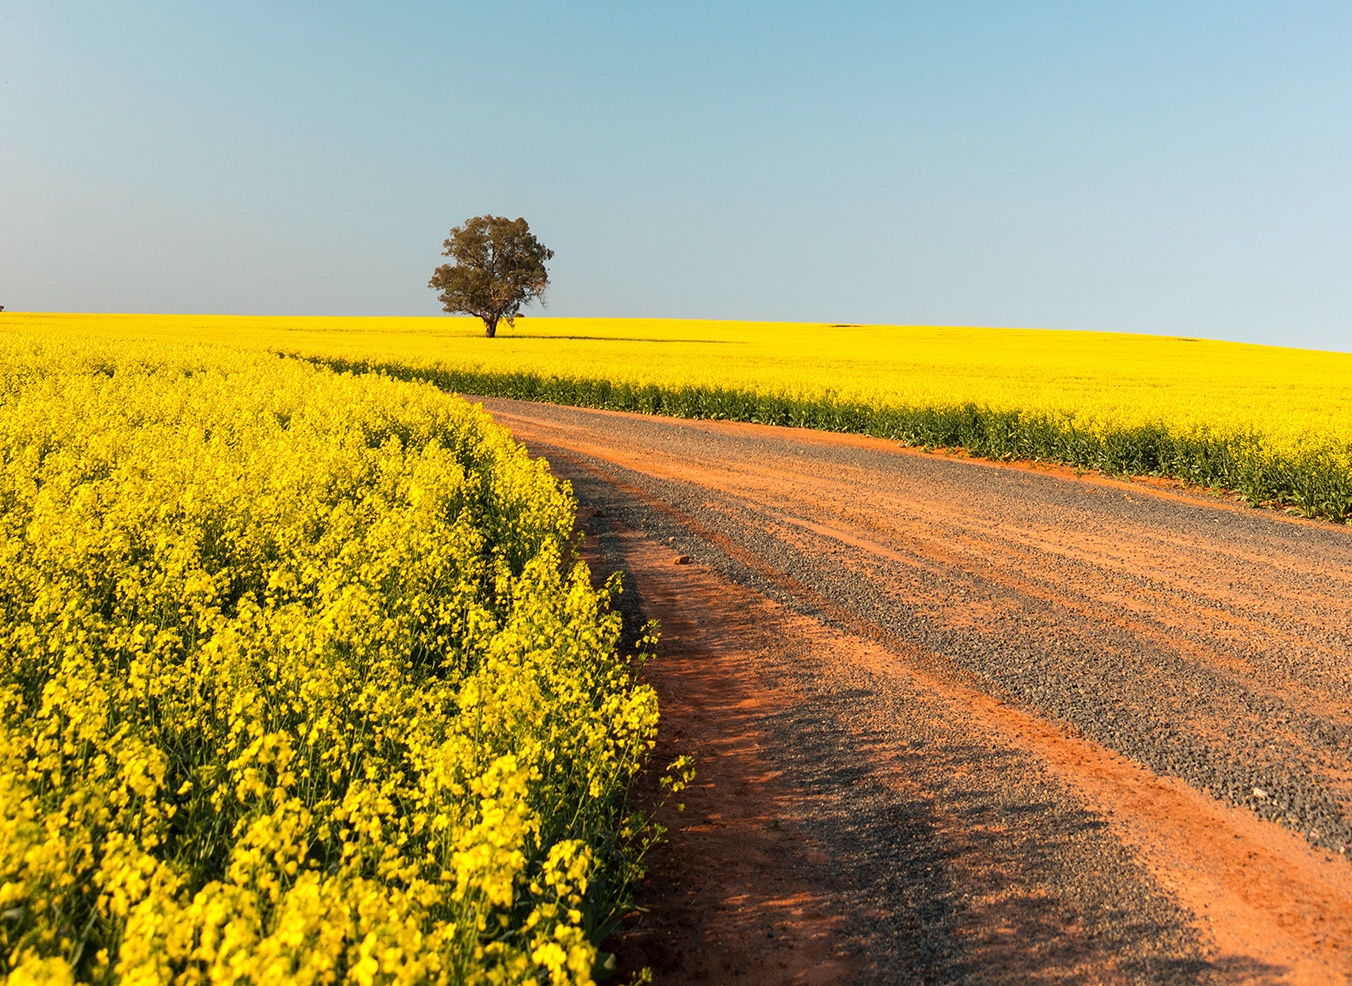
[[1286, 395]]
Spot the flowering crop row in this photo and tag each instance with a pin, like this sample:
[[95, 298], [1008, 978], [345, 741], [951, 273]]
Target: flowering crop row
[[1273, 424], [295, 684], [1310, 474]]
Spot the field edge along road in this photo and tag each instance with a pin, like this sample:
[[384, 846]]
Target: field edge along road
[[1026, 728]]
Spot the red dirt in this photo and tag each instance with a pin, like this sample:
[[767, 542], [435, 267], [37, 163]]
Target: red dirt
[[726, 896]]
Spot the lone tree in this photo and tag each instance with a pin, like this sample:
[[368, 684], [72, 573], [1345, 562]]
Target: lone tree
[[497, 266]]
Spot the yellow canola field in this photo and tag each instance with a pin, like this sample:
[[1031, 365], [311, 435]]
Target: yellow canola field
[[1288, 396], [295, 685]]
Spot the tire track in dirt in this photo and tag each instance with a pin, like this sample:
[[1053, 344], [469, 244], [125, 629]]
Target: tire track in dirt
[[1031, 728]]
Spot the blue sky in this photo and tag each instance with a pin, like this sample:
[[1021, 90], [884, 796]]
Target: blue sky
[[1179, 168]]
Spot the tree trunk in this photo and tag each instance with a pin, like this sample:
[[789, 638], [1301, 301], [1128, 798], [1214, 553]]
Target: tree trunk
[[491, 326]]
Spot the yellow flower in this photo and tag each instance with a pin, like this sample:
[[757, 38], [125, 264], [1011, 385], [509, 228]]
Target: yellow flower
[[292, 688]]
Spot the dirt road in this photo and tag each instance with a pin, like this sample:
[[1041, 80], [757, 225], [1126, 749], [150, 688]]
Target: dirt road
[[960, 722]]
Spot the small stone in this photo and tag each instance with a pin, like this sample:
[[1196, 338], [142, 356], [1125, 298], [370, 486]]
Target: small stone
[[681, 560], [1258, 792]]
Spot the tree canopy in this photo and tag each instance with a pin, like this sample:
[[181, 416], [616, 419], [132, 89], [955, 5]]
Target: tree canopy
[[497, 265]]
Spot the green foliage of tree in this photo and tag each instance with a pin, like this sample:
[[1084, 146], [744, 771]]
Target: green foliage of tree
[[497, 265]]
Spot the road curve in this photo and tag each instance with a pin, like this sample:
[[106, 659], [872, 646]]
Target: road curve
[[1036, 727]]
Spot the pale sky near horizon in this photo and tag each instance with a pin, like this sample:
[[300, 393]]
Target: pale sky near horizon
[[1177, 168]]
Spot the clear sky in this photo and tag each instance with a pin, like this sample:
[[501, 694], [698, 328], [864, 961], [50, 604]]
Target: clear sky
[[1169, 167]]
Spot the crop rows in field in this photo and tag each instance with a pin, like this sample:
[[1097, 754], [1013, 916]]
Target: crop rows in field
[[296, 682], [1314, 480]]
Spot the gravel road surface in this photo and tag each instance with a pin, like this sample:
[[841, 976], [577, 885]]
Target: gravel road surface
[[1022, 726]]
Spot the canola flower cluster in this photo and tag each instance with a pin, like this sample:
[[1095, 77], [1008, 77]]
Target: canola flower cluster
[[296, 683], [1273, 424]]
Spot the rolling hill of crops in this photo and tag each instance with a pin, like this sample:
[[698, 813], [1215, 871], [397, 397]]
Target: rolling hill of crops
[[1274, 424]]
